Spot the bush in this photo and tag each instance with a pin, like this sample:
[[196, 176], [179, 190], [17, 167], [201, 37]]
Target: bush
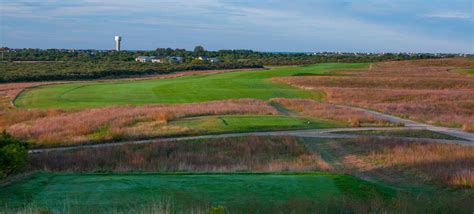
[[13, 155]]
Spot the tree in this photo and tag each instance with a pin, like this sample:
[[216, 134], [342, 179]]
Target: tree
[[199, 50], [13, 155]]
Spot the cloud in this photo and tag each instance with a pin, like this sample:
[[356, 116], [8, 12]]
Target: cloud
[[449, 15], [374, 23]]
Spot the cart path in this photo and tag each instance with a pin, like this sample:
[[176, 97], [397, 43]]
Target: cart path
[[315, 133], [417, 125]]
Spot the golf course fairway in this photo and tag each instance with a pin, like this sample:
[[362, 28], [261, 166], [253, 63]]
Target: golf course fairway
[[186, 89]]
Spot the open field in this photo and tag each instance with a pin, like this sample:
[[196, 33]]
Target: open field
[[277, 171], [404, 176], [187, 89], [426, 91], [444, 164]]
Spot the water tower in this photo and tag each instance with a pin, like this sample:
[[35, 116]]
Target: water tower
[[118, 39]]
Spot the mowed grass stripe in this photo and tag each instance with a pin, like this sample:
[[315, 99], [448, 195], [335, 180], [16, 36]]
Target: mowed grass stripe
[[251, 123], [118, 190], [187, 89]]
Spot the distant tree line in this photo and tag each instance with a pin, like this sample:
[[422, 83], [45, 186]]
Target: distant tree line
[[227, 56], [60, 64], [44, 71]]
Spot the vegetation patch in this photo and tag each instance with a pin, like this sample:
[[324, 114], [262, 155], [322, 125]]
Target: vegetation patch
[[423, 90], [204, 155], [400, 162], [319, 110], [59, 127]]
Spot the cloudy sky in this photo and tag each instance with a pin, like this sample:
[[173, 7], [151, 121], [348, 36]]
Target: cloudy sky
[[265, 25]]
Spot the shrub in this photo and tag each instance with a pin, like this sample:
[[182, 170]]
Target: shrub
[[13, 155]]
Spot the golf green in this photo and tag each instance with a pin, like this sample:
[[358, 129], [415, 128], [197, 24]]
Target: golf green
[[187, 89]]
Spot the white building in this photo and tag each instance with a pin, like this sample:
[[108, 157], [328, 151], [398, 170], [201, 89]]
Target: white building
[[144, 58], [210, 59]]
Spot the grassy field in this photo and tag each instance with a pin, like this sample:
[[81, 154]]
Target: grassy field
[[196, 88], [403, 133], [429, 91], [237, 123], [101, 191]]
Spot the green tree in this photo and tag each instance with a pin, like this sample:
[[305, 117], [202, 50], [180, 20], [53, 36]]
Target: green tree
[[13, 155], [199, 50]]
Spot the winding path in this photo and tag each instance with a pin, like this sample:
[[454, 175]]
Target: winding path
[[416, 125], [319, 133]]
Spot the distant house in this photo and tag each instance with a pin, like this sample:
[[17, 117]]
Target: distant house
[[210, 59], [144, 58], [174, 59], [154, 59]]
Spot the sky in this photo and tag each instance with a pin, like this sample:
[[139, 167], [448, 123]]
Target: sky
[[435, 26]]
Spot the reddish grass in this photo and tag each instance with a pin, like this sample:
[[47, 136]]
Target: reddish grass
[[327, 111], [468, 127], [447, 164], [229, 154], [124, 122], [424, 90]]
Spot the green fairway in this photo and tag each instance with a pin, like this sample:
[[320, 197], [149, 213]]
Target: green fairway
[[102, 191], [187, 89], [244, 123]]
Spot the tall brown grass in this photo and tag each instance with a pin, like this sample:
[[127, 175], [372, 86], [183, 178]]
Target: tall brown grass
[[122, 122], [423, 90], [447, 164], [216, 155], [327, 111]]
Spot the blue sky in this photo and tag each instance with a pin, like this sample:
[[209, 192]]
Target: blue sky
[[264, 25]]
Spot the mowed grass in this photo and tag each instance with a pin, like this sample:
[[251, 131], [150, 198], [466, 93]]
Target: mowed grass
[[246, 123], [187, 89], [233, 190]]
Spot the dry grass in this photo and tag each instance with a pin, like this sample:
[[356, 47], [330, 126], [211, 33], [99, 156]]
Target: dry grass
[[217, 155], [327, 111], [424, 90], [452, 165], [113, 123]]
